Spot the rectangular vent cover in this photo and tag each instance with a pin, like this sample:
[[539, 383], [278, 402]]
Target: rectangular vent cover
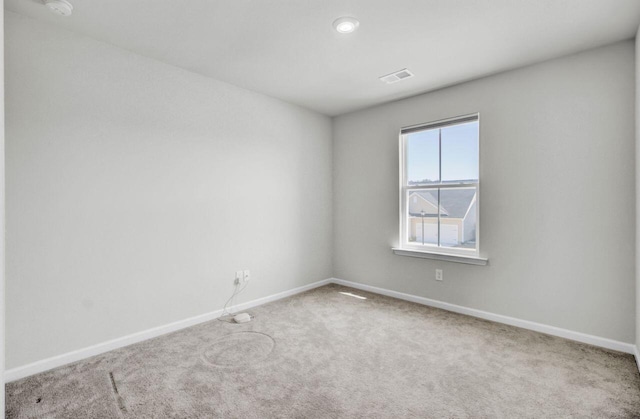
[[397, 76]]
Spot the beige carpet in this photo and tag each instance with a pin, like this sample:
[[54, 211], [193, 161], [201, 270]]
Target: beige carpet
[[323, 354]]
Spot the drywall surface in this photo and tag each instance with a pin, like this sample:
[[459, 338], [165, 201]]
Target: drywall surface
[[638, 191], [135, 190], [556, 200], [2, 213]]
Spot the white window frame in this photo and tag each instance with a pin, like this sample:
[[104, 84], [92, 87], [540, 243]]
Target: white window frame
[[407, 248]]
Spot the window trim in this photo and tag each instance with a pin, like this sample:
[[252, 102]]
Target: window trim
[[468, 260], [405, 248]]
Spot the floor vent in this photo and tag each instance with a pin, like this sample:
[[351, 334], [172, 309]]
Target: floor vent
[[396, 76]]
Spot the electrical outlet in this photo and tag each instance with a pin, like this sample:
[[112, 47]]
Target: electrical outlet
[[246, 275], [239, 277], [439, 275]]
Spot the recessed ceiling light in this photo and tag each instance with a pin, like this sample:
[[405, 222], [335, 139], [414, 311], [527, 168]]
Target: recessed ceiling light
[[346, 24], [61, 7]]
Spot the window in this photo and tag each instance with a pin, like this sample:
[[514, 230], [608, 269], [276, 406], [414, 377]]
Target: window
[[439, 187]]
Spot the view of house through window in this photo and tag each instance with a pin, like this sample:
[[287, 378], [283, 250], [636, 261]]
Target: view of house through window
[[440, 185]]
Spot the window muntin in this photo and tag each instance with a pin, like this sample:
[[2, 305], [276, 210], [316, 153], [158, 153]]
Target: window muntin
[[440, 186]]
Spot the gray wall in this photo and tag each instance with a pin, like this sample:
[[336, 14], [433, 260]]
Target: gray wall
[[2, 213], [638, 192], [135, 190], [557, 194]]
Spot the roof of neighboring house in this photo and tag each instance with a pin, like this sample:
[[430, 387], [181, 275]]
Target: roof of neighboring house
[[454, 202]]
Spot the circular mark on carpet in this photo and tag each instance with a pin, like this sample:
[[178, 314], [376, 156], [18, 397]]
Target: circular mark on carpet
[[239, 349]]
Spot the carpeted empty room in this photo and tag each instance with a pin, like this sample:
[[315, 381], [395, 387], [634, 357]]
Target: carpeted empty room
[[329, 353], [320, 209]]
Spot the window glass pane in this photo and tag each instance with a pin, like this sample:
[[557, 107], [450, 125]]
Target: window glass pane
[[458, 217], [423, 157], [460, 152], [422, 216]]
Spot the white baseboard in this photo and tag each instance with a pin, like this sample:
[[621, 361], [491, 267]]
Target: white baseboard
[[69, 357], [525, 324]]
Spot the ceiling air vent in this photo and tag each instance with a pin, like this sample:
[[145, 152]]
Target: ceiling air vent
[[397, 76]]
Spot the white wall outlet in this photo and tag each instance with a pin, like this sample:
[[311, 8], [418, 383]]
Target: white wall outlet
[[439, 275], [246, 275], [239, 277]]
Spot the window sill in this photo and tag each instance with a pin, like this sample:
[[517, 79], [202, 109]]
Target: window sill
[[469, 260]]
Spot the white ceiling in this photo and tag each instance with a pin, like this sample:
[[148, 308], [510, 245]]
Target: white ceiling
[[288, 48]]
